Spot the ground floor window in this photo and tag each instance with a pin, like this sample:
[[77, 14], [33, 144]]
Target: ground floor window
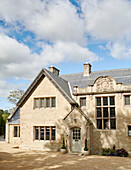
[[129, 130], [44, 133], [16, 131]]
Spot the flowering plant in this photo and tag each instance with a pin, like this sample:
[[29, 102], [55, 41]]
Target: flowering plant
[[122, 152]]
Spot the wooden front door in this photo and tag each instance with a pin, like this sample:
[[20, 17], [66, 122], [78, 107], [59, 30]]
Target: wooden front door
[[76, 140]]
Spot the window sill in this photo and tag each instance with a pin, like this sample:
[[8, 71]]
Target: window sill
[[44, 141]]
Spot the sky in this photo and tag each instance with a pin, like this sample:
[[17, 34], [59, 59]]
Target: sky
[[64, 33]]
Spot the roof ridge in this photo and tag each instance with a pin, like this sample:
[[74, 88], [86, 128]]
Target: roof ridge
[[96, 71]]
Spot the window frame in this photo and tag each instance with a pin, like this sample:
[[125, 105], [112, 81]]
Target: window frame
[[18, 131], [45, 102], [129, 99], [45, 137], [103, 119], [128, 130], [81, 102]]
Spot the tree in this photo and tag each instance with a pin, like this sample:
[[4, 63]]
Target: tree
[[15, 96]]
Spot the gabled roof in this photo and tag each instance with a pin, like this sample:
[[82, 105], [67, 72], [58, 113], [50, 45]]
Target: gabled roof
[[120, 75], [61, 84], [81, 112]]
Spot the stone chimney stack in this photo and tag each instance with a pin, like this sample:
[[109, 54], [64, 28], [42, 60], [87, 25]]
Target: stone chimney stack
[[87, 69], [54, 70]]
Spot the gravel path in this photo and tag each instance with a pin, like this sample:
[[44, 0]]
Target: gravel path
[[12, 158]]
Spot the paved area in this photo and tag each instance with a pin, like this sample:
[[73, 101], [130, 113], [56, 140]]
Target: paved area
[[13, 158]]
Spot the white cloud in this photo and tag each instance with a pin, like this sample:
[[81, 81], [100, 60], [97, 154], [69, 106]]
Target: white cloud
[[108, 19], [120, 50], [17, 59], [50, 19], [6, 87]]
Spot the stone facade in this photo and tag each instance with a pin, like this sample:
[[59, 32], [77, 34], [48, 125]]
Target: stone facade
[[72, 121]]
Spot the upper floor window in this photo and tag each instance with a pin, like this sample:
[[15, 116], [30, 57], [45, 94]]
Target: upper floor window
[[127, 100], [83, 101], [16, 131], [46, 102], [129, 130], [105, 112]]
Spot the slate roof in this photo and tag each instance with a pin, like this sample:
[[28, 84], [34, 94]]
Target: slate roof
[[61, 84], [14, 118], [120, 75]]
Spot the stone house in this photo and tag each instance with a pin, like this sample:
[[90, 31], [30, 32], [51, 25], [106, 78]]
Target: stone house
[[92, 105]]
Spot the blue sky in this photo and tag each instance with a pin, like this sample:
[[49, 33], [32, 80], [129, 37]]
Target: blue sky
[[64, 33]]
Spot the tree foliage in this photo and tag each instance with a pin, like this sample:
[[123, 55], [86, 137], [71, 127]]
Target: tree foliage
[[15, 95], [3, 116]]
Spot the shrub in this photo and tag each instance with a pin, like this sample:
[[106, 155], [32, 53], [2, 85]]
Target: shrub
[[63, 144], [85, 148], [122, 152], [105, 151]]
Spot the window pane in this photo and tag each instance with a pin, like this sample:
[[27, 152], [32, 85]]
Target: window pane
[[105, 101], [112, 111], [47, 133], [106, 123], [36, 133], [19, 131], [112, 100], [99, 123], [127, 100], [113, 123], [47, 102], [42, 133], [15, 131], [98, 101], [83, 101], [53, 132], [36, 103], [42, 102], [105, 112], [129, 130], [99, 113], [53, 102]]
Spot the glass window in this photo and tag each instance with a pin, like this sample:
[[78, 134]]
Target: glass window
[[53, 102], [112, 111], [127, 100], [36, 103], [129, 130], [113, 123], [19, 131], [99, 123], [98, 101], [15, 131], [47, 133], [112, 101], [47, 102], [42, 102], [41, 133], [36, 133], [106, 123], [105, 112], [53, 132], [76, 134], [105, 101], [99, 113], [82, 101]]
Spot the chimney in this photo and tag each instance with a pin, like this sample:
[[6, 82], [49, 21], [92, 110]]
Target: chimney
[[87, 69], [54, 70]]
